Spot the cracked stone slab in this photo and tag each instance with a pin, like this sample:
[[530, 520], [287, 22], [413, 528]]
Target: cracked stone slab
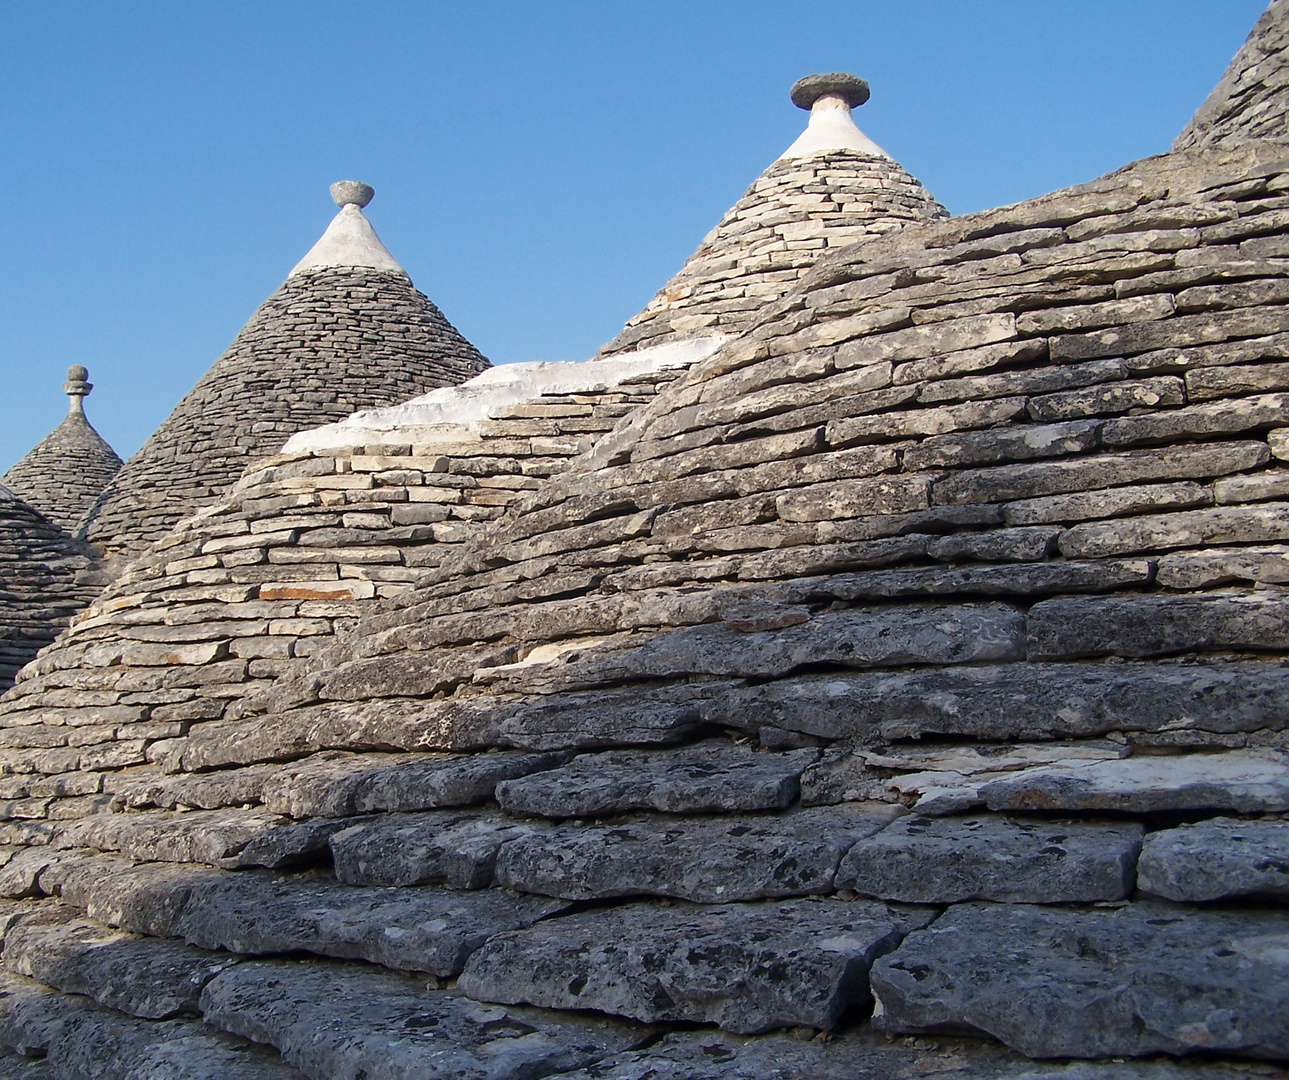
[[1128, 981], [455, 849], [198, 836], [432, 930], [1215, 859], [341, 785], [1014, 860], [337, 1020], [31, 1015], [1246, 781], [747, 967], [202, 791], [150, 978], [289, 845], [707, 860], [98, 1045], [707, 778]]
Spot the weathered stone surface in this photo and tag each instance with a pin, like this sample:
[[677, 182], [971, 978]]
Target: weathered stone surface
[[347, 1021], [1015, 701], [1218, 858], [338, 785], [1113, 502], [1015, 860], [205, 836], [1223, 566], [718, 860], [1135, 980], [31, 1015], [455, 848], [147, 898], [98, 1045], [746, 967], [143, 977], [1257, 524], [1246, 781], [1142, 626], [17, 1067], [298, 844], [405, 929], [709, 777], [209, 791]]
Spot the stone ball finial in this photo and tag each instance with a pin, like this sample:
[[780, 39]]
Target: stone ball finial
[[345, 192], [77, 388], [76, 373], [805, 92]]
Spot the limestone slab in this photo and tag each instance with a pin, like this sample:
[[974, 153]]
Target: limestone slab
[[146, 977], [746, 967], [146, 898], [339, 785], [708, 778], [707, 860], [458, 849], [404, 929], [1015, 860], [347, 1021], [32, 1015], [200, 836], [1215, 859], [1246, 781], [1057, 982], [288, 845]]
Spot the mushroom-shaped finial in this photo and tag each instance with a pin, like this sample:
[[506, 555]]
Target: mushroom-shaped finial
[[345, 192], [850, 88], [77, 388]]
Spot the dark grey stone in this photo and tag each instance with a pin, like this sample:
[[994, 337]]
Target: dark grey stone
[[1015, 860], [710, 777], [746, 967], [288, 845], [1215, 859], [713, 860], [348, 1021], [1053, 982], [31, 1015]]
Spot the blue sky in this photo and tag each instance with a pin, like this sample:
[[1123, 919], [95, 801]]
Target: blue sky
[[540, 168]]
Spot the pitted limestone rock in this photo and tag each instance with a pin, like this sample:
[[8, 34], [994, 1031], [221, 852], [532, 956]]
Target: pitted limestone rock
[[746, 967], [32, 1015], [707, 860], [1015, 860], [712, 777], [1127, 981], [1217, 859], [205, 836], [458, 849], [347, 1021]]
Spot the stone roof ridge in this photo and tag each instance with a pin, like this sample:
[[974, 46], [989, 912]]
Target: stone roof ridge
[[466, 406], [67, 470], [829, 98], [349, 240], [1251, 100]]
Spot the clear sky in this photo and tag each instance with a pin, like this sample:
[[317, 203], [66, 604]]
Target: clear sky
[[540, 168]]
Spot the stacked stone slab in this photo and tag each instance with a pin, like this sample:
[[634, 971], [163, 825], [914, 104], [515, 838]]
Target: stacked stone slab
[[346, 330], [68, 469], [912, 665], [824, 193], [46, 577]]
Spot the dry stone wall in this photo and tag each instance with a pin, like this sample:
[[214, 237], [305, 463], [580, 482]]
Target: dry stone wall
[[327, 342]]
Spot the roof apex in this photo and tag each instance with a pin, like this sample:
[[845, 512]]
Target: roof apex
[[830, 99], [349, 240]]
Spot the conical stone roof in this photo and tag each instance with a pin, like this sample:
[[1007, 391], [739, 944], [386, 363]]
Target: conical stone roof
[[833, 186], [346, 330], [67, 470]]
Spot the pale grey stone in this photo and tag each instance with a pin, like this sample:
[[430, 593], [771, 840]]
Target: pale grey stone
[[1245, 781], [1113, 502], [1223, 566], [709, 777], [139, 976], [347, 1021], [1255, 524], [148, 898], [1215, 859], [458, 849], [746, 967], [204, 791], [707, 860], [405, 929], [1015, 860], [1053, 982], [201, 836]]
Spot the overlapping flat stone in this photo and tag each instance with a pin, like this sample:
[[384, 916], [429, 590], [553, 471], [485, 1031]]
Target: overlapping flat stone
[[32, 1015], [200, 836], [1216, 859], [144, 977], [458, 849], [1056, 982], [1014, 860], [707, 778], [349, 1021], [713, 860], [1246, 781], [746, 967]]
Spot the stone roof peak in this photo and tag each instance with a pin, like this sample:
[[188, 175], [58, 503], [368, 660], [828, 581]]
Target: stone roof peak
[[830, 97], [349, 240]]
